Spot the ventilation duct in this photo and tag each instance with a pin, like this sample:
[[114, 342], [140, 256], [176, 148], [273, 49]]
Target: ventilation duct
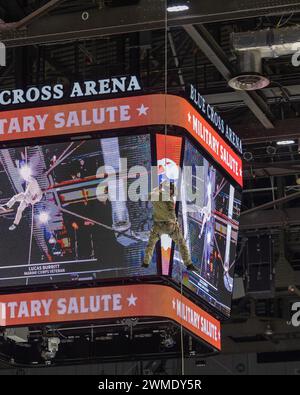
[[249, 75], [252, 47]]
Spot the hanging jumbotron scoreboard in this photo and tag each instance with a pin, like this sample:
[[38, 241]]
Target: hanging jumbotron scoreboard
[[85, 229]]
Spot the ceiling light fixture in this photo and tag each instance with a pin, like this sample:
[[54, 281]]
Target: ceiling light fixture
[[249, 82], [249, 72], [178, 8], [285, 142]]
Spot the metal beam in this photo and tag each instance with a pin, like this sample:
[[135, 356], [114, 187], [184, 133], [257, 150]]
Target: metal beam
[[31, 17], [283, 129], [273, 203], [56, 65], [207, 11], [176, 60], [147, 15], [96, 23], [270, 219], [215, 54], [233, 99], [230, 347], [270, 169], [284, 165], [38, 13], [286, 337]]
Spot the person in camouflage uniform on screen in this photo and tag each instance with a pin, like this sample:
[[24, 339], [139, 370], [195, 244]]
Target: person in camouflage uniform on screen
[[165, 222]]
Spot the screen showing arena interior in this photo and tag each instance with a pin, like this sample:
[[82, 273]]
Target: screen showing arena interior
[[56, 223]]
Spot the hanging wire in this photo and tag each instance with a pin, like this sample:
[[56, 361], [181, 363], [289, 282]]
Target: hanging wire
[[166, 132], [166, 76]]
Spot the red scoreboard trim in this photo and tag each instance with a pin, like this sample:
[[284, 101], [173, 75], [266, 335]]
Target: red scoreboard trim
[[144, 300], [126, 112]]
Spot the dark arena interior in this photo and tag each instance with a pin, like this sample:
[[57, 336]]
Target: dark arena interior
[[107, 107]]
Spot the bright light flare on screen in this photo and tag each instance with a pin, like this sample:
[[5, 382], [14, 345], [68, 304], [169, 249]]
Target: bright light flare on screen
[[209, 189], [208, 237], [52, 240], [25, 172], [178, 8], [285, 142], [44, 217]]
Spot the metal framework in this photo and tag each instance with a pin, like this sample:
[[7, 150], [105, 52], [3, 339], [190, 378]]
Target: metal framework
[[147, 15]]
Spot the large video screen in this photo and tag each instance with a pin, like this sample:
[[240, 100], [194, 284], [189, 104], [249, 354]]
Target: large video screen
[[67, 213], [208, 216], [58, 220]]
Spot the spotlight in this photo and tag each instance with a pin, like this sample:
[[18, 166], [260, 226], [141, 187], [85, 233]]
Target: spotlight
[[178, 8], [200, 363], [44, 217], [25, 172], [269, 331], [271, 150], [292, 289], [247, 156], [285, 142]]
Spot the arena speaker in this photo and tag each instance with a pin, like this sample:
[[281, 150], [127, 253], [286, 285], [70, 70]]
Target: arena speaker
[[238, 288], [260, 266]]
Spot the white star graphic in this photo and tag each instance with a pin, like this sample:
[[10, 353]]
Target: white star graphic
[[174, 304], [132, 300], [189, 117], [142, 110]]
